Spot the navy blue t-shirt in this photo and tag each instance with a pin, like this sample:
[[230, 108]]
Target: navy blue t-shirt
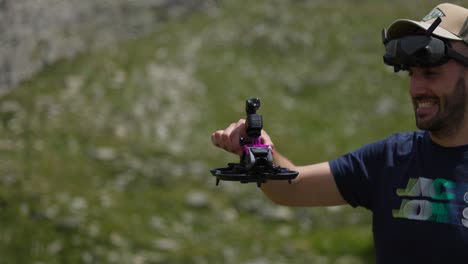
[[418, 193]]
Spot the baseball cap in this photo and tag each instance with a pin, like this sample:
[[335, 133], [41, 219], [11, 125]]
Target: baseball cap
[[454, 25]]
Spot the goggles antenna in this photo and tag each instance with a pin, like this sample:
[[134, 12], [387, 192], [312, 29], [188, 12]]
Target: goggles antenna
[[433, 26]]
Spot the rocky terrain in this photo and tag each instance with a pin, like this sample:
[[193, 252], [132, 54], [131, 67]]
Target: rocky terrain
[[35, 34]]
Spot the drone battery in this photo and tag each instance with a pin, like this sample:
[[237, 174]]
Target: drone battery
[[259, 152]]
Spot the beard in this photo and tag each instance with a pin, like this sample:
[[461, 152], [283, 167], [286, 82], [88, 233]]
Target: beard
[[450, 113]]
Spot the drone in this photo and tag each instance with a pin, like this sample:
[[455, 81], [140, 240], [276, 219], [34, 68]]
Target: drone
[[256, 162]]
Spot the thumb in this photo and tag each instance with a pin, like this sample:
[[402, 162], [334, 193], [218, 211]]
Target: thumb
[[266, 139]]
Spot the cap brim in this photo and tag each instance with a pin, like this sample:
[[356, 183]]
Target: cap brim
[[403, 27]]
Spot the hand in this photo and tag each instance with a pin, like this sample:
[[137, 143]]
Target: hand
[[229, 138]]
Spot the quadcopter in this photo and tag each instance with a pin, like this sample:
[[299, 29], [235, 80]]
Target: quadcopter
[[256, 162]]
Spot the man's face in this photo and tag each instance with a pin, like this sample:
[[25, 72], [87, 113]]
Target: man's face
[[439, 96]]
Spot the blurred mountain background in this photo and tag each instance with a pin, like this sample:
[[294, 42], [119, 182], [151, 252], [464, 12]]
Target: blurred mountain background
[[107, 108]]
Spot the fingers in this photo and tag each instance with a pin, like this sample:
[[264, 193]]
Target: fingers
[[215, 138], [228, 138]]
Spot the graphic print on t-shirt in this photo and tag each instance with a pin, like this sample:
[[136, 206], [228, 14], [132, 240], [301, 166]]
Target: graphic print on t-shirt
[[436, 200]]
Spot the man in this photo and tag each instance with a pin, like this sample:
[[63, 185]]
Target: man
[[415, 183]]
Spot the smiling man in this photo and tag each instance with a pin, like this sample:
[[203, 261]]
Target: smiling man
[[415, 183], [439, 99]]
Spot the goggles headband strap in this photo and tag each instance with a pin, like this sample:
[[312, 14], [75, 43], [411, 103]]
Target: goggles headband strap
[[457, 56]]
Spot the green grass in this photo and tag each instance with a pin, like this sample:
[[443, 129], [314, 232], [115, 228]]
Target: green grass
[[100, 155]]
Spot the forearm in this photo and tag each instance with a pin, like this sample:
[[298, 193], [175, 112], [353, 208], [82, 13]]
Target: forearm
[[314, 186], [277, 191]]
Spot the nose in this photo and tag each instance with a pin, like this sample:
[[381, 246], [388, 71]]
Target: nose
[[418, 84]]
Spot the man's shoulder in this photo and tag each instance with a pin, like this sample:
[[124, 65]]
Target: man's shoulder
[[402, 143], [405, 142], [406, 137]]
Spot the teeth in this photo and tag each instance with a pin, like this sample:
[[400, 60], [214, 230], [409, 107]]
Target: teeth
[[425, 104]]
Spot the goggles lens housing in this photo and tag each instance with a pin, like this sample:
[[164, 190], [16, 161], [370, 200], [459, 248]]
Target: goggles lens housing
[[418, 50]]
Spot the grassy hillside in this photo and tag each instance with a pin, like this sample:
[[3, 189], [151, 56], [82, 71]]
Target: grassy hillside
[[105, 158]]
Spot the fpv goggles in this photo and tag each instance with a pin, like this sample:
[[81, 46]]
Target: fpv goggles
[[423, 50]]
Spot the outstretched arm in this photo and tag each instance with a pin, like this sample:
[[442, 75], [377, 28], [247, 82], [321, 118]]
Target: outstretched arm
[[314, 186]]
